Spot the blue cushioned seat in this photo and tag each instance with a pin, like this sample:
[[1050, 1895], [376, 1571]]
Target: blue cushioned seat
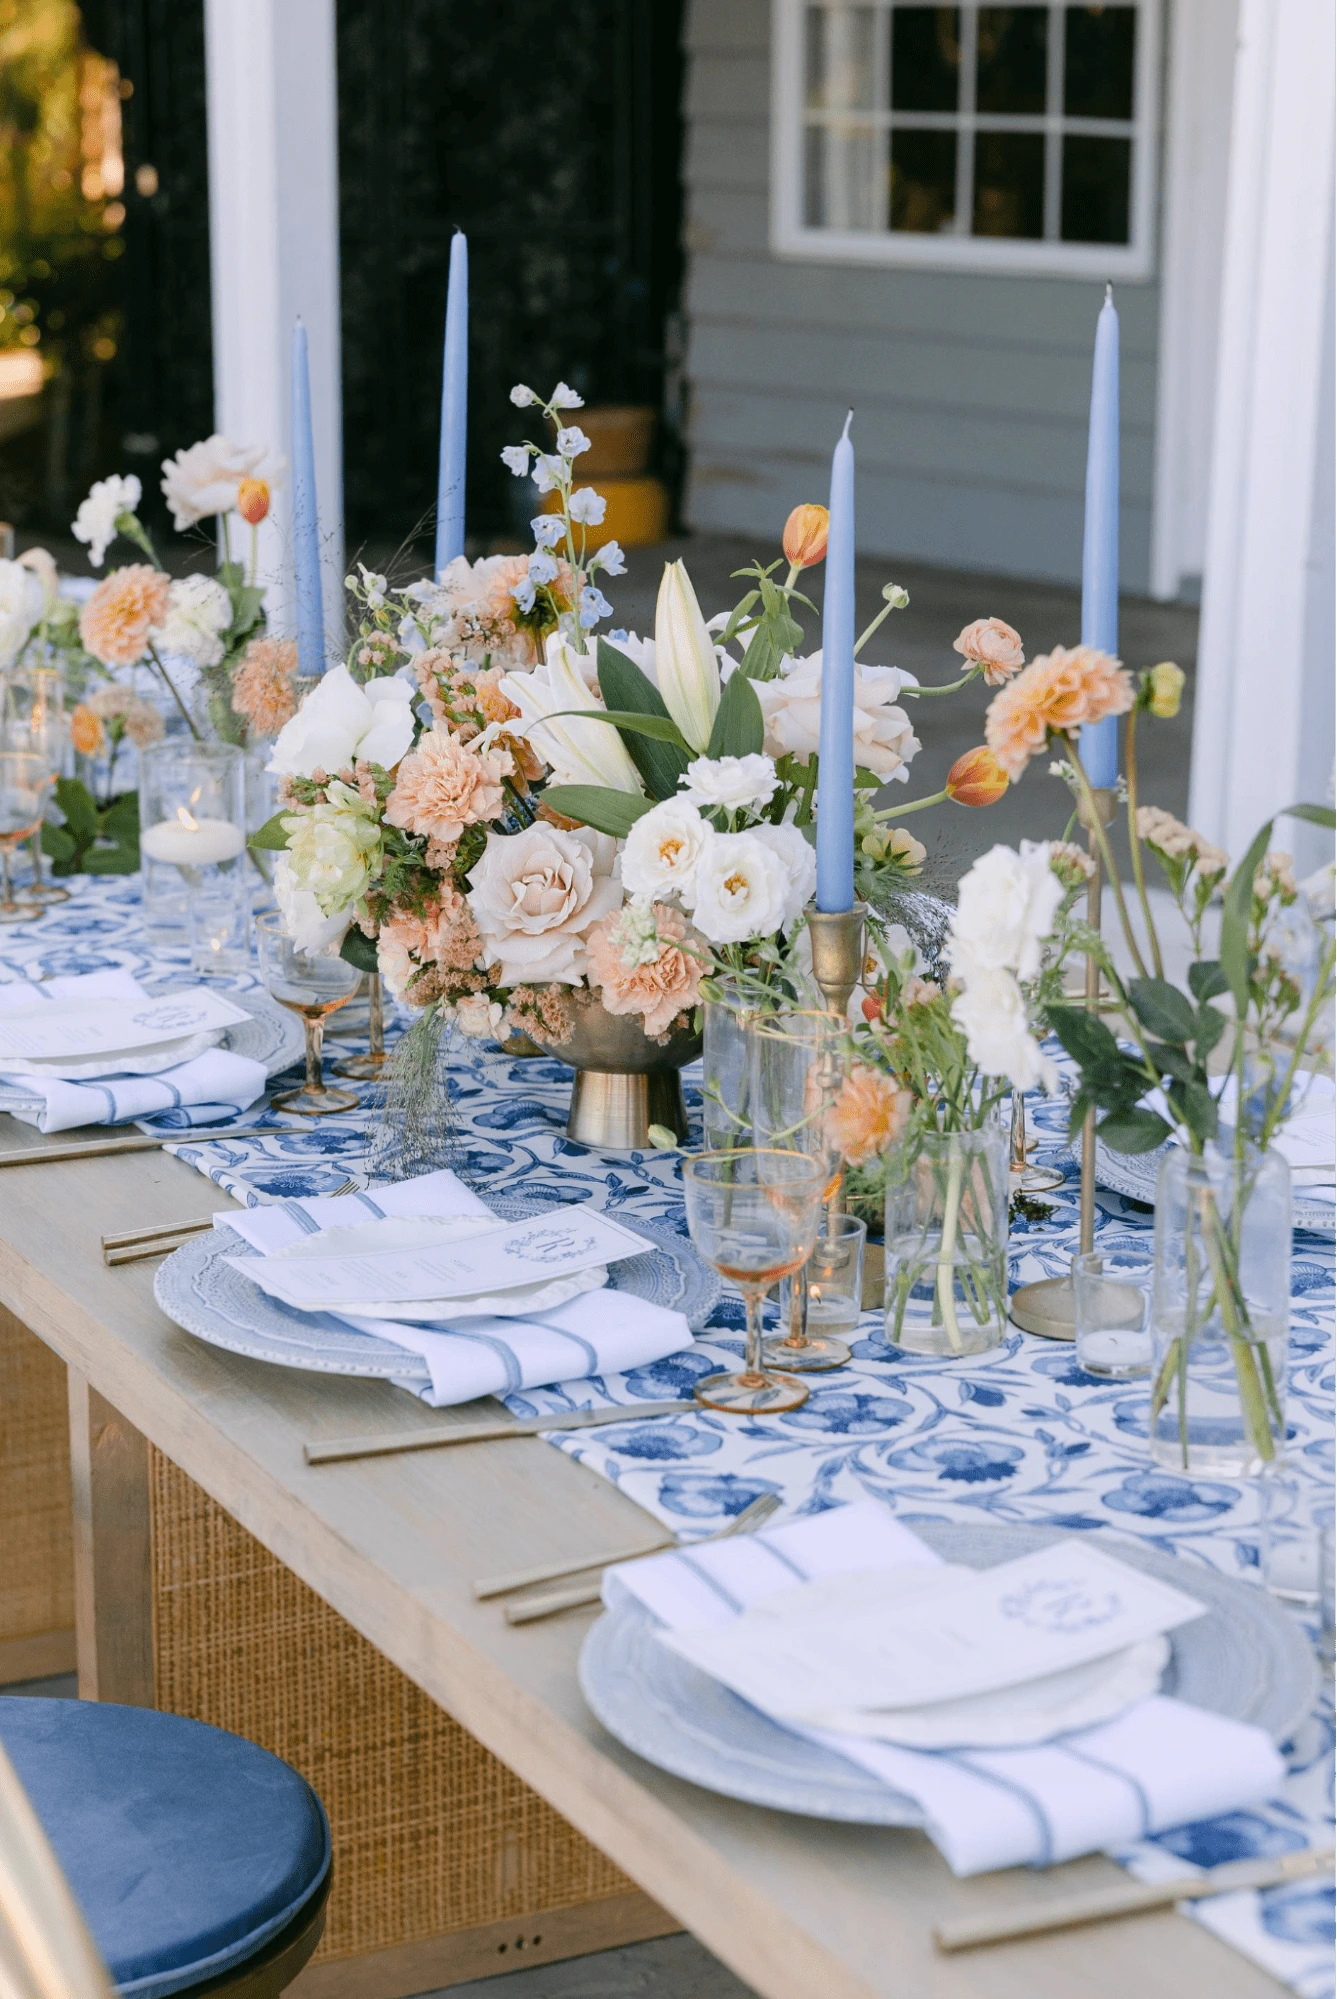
[[188, 1849]]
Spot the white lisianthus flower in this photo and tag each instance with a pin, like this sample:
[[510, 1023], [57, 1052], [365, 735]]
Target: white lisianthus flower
[[884, 738], [303, 918], [800, 862], [729, 782], [334, 849], [742, 889], [1006, 904], [587, 505], [522, 397], [95, 522], [664, 850], [564, 398], [516, 459], [204, 479], [535, 896], [199, 611], [340, 723], [579, 752], [22, 607], [689, 673], [991, 1012], [475, 1014]]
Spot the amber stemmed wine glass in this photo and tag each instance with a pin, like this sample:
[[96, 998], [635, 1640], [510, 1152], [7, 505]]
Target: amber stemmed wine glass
[[24, 780], [32, 719], [315, 986], [753, 1214]]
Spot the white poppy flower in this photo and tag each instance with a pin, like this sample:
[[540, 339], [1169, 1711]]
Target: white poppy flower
[[340, 723], [204, 479], [991, 1012]]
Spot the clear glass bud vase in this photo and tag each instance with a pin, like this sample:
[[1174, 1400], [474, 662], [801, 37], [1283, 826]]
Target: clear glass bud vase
[[1220, 1311], [726, 1110], [946, 1243]]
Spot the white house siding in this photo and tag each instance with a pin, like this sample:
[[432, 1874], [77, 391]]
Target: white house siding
[[970, 392]]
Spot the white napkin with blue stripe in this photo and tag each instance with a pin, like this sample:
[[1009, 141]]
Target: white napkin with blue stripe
[[598, 1333], [208, 1089], [1161, 1763]]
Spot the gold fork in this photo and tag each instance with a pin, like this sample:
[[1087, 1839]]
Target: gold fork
[[134, 1245]]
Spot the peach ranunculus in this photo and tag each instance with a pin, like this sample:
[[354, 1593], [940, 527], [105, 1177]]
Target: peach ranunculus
[[445, 785], [86, 730], [993, 647], [868, 1115], [804, 538], [660, 989], [1054, 695], [977, 778], [264, 686], [116, 621]]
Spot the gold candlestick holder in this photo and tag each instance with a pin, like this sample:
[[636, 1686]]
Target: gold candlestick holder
[[1049, 1307], [837, 952]]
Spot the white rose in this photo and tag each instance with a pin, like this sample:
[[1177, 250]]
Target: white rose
[[664, 849], [742, 889], [884, 737], [800, 864], [95, 522], [478, 1016], [1006, 904], [340, 722], [579, 752], [22, 605], [991, 1013], [204, 479], [535, 895], [304, 920], [730, 782], [199, 611]]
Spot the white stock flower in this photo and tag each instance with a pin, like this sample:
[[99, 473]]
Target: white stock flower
[[730, 782], [664, 849], [199, 611], [1006, 904], [688, 671], [303, 918], [564, 398], [991, 1012], [522, 397], [22, 606], [340, 722], [334, 849], [884, 737], [535, 896], [204, 479], [516, 459], [579, 752], [95, 522], [742, 889], [588, 506], [800, 864]]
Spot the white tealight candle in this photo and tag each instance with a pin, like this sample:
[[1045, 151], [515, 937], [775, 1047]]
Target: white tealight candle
[[192, 843]]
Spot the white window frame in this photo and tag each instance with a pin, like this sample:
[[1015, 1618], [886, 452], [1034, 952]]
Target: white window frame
[[791, 236]]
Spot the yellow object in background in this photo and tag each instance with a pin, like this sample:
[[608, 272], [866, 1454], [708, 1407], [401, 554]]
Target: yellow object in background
[[637, 511]]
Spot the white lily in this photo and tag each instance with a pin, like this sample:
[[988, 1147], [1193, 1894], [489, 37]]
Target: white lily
[[579, 752], [688, 671]]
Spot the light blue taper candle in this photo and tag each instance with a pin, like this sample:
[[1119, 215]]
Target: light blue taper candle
[[835, 769], [454, 409], [305, 516], [1099, 748]]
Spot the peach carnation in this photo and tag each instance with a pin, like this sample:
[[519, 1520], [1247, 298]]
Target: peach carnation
[[869, 1115], [993, 647], [445, 785], [1055, 694], [668, 985], [264, 686], [116, 621]]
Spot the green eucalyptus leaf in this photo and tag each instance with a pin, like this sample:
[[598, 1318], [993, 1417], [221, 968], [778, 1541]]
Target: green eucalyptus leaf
[[1133, 1131], [597, 805], [739, 729], [1236, 905], [1162, 1009]]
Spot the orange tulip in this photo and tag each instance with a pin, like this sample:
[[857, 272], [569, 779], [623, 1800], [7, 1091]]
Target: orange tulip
[[86, 731], [253, 500], [804, 538], [977, 778]]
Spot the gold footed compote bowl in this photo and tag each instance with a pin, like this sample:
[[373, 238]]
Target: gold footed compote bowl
[[314, 986], [753, 1214], [24, 780]]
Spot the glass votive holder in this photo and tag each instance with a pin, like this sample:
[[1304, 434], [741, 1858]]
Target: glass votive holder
[[1112, 1295], [820, 1307], [1295, 1536], [192, 817], [218, 911]]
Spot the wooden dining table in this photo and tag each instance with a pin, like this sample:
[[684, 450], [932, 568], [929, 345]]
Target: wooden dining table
[[799, 1909]]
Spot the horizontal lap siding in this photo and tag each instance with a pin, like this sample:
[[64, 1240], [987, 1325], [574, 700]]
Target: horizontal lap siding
[[970, 391]]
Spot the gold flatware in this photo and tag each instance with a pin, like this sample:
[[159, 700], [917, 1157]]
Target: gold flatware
[[1130, 1899], [388, 1442], [95, 1148], [132, 1245], [552, 1572], [551, 1601]]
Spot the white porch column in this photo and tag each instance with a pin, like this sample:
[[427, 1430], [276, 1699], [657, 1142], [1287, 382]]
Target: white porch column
[[274, 255], [1263, 723]]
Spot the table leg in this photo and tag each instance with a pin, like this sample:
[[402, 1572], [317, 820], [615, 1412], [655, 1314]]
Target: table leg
[[113, 1579]]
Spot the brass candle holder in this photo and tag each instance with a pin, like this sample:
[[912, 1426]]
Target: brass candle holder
[[1049, 1307], [837, 952]]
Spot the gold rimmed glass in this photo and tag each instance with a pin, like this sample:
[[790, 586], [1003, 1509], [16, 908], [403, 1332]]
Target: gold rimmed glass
[[314, 986], [32, 720], [24, 781], [797, 1067], [753, 1214], [366, 1068]]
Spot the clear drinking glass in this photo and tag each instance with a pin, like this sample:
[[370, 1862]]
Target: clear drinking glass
[[192, 825], [726, 1118], [32, 719], [314, 986], [796, 1067], [945, 1242], [753, 1214], [1292, 1514], [1112, 1289], [1022, 1176], [219, 914], [24, 782]]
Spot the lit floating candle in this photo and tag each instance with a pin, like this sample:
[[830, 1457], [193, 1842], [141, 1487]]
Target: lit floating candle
[[835, 768], [188, 842], [1099, 746], [305, 517], [454, 409]]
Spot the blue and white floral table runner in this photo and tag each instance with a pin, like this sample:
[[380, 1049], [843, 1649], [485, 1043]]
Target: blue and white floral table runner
[[1021, 1434]]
